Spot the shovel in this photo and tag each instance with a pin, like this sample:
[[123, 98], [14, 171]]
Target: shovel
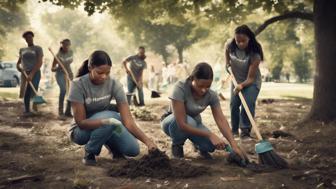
[[37, 99]]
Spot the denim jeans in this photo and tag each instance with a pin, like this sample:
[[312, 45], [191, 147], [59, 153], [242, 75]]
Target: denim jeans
[[171, 128], [131, 86], [29, 91], [61, 81], [123, 141], [239, 117]]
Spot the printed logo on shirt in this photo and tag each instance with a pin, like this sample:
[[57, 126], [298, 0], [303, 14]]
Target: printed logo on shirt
[[237, 59], [25, 51], [90, 100], [65, 59], [138, 65], [68, 58], [200, 107]]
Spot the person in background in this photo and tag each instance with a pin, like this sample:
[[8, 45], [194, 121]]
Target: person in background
[[30, 62], [65, 55], [172, 73], [219, 82], [152, 78], [181, 70], [96, 124], [244, 54], [46, 73], [164, 76], [137, 65]]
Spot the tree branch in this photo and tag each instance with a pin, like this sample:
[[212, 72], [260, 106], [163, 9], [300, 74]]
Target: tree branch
[[289, 15]]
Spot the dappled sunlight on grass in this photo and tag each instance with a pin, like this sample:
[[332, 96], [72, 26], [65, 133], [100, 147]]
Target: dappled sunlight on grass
[[8, 95], [286, 91]]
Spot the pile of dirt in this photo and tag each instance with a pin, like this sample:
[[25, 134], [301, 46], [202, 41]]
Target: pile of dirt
[[279, 133], [143, 114], [157, 165]]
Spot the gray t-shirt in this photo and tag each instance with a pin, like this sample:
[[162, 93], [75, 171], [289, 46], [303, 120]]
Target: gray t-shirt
[[66, 59], [240, 64], [182, 92], [137, 65], [96, 98], [29, 56]]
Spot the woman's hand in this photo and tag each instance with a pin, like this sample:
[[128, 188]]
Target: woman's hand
[[30, 77], [128, 71], [227, 65], [151, 146], [241, 153], [110, 121], [140, 83], [217, 142], [238, 88], [53, 69], [18, 67]]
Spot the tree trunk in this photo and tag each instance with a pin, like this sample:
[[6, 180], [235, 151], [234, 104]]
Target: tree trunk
[[180, 54], [324, 99], [165, 58]]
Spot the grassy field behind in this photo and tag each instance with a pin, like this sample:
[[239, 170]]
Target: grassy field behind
[[268, 90], [286, 90]]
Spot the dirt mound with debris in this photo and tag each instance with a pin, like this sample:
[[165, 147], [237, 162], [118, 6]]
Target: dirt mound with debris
[[157, 165], [143, 114]]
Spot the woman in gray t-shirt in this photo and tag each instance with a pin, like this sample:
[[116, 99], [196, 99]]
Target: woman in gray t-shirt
[[96, 124], [188, 100], [244, 54], [30, 62], [65, 55]]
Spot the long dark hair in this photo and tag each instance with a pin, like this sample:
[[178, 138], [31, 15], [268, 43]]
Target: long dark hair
[[253, 45], [64, 41], [97, 58], [201, 71]]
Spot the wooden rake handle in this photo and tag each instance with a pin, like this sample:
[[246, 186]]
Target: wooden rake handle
[[30, 83], [133, 78], [60, 63], [247, 109]]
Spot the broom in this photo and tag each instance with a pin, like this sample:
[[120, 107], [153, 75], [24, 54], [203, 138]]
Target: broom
[[263, 148], [37, 99]]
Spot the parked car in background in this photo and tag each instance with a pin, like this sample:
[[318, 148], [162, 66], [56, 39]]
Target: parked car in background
[[9, 76]]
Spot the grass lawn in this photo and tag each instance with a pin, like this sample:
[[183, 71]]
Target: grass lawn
[[268, 90], [9, 93], [286, 90]]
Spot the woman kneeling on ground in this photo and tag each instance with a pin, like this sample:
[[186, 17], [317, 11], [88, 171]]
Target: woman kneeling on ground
[[95, 123], [188, 100]]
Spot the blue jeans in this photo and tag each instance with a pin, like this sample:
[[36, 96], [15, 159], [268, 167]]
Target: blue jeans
[[131, 86], [171, 128], [29, 93], [61, 81], [239, 117], [123, 142]]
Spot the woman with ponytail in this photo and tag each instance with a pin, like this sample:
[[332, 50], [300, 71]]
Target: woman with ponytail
[[65, 55], [244, 54], [189, 99], [95, 124]]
